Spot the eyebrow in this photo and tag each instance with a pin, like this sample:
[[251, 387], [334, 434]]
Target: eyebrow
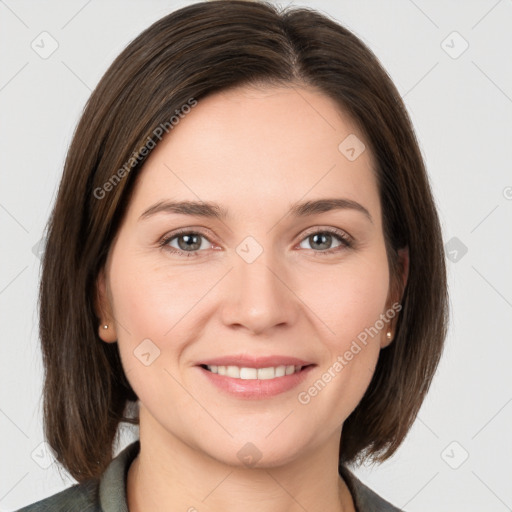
[[213, 210]]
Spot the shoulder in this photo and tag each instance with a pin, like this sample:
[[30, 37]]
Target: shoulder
[[93, 495], [82, 497], [365, 500]]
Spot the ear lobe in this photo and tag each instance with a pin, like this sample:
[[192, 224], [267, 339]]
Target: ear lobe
[[103, 310]]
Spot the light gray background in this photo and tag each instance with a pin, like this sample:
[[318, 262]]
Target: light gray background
[[462, 111]]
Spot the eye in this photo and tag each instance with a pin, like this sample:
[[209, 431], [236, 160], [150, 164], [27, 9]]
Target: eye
[[185, 242], [323, 240]]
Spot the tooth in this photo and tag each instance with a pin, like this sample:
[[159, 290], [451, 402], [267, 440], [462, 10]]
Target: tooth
[[266, 373], [248, 373], [290, 369], [233, 371], [280, 371]]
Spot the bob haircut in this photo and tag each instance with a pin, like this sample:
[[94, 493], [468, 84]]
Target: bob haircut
[[189, 54]]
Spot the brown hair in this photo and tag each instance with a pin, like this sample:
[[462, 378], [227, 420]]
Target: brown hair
[[191, 53]]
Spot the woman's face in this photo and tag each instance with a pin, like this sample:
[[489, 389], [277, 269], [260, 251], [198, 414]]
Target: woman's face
[[267, 276]]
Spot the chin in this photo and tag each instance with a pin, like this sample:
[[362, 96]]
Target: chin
[[254, 451]]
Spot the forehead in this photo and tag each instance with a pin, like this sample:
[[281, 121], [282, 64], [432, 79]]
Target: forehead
[[255, 148]]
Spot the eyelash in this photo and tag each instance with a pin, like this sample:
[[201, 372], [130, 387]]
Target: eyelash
[[345, 240]]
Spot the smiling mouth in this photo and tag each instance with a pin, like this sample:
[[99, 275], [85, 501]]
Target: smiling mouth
[[248, 373]]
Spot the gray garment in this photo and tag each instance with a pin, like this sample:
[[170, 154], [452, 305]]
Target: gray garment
[[108, 494]]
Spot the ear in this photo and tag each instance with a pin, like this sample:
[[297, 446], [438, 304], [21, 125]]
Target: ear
[[104, 310], [403, 262], [396, 292]]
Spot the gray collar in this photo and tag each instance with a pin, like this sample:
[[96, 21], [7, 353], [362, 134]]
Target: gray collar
[[113, 481]]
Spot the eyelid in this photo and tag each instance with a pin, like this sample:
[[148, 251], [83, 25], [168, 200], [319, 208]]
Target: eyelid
[[183, 231], [325, 229]]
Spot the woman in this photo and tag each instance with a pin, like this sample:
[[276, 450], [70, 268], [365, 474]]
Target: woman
[[244, 259]]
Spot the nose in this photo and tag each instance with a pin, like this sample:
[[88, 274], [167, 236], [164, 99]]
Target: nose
[[259, 296]]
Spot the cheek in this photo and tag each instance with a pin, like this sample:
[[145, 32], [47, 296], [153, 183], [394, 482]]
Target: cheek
[[349, 298], [146, 306], [151, 299], [349, 303]]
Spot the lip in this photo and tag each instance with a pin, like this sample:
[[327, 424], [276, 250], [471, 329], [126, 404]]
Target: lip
[[246, 361], [255, 389]]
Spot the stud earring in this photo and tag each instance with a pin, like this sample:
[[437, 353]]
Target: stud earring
[[388, 335], [105, 327]]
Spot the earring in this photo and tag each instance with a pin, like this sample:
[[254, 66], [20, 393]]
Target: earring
[[105, 327], [388, 335]]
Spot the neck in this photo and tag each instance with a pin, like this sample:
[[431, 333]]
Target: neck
[[183, 478]]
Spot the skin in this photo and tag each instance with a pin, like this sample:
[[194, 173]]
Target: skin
[[291, 300]]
